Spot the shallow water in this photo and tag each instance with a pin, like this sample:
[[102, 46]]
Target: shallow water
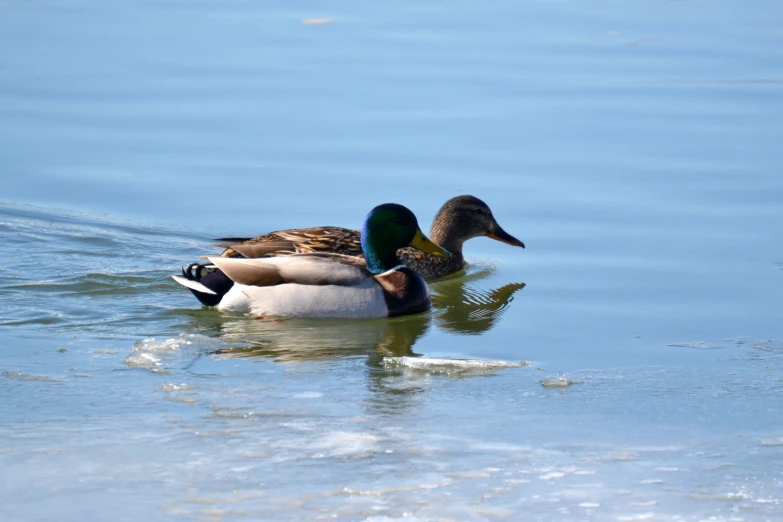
[[627, 365]]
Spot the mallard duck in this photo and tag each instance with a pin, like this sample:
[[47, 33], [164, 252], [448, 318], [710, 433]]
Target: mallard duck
[[459, 219], [326, 284]]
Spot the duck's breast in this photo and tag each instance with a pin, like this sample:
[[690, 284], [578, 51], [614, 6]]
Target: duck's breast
[[405, 291]]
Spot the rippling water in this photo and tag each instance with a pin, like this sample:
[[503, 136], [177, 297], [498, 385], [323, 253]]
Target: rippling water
[[628, 365]]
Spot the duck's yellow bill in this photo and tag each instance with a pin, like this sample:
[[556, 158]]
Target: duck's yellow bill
[[421, 242]]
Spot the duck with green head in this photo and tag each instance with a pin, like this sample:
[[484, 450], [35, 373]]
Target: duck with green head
[[459, 219], [329, 285]]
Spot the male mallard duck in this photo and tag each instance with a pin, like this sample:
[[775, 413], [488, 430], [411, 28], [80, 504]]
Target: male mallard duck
[[326, 284], [459, 219]]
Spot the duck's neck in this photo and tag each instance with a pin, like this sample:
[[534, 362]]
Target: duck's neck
[[379, 256], [446, 234]]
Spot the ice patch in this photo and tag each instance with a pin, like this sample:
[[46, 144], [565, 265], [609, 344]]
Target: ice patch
[[450, 366], [558, 382], [22, 376], [171, 387], [149, 354], [645, 503], [233, 413], [701, 345], [308, 395], [722, 497], [106, 351], [179, 393], [640, 516], [346, 444], [317, 21]]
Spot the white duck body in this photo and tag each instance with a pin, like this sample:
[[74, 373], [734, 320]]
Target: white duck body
[[364, 300], [307, 285], [324, 285]]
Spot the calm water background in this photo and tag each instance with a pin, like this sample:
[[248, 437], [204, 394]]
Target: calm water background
[[634, 146]]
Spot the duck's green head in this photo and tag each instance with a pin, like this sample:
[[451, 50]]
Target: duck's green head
[[386, 229]]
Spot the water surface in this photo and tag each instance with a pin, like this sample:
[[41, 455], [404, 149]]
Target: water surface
[[634, 147]]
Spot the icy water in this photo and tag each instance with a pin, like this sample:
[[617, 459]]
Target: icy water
[[627, 365]]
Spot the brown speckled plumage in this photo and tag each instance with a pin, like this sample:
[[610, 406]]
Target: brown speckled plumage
[[334, 240]]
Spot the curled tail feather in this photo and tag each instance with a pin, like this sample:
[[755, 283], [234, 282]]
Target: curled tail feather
[[207, 282]]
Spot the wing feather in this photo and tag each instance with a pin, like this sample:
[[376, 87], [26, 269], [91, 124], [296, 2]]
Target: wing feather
[[329, 239], [303, 269], [253, 250]]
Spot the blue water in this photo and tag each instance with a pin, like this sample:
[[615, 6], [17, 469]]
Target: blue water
[[633, 146]]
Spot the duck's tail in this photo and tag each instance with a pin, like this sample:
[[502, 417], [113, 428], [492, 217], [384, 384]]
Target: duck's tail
[[207, 282]]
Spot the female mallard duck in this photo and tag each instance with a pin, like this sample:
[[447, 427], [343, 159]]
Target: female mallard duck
[[459, 219], [327, 284]]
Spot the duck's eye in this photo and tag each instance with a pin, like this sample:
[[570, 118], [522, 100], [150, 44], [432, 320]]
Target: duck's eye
[[398, 220], [480, 211]]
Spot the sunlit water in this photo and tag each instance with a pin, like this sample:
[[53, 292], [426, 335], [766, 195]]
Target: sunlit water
[[628, 365]]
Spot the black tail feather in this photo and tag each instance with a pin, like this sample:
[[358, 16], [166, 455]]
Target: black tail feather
[[233, 239], [211, 277]]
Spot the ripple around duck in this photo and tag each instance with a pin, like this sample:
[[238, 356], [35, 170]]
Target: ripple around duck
[[44, 320], [99, 284], [65, 269], [76, 225]]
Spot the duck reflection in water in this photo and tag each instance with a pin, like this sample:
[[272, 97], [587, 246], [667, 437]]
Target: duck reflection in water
[[459, 306], [466, 308], [299, 340]]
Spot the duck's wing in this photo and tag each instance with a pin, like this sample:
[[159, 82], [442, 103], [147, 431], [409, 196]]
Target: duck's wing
[[303, 269], [328, 239], [253, 250]]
